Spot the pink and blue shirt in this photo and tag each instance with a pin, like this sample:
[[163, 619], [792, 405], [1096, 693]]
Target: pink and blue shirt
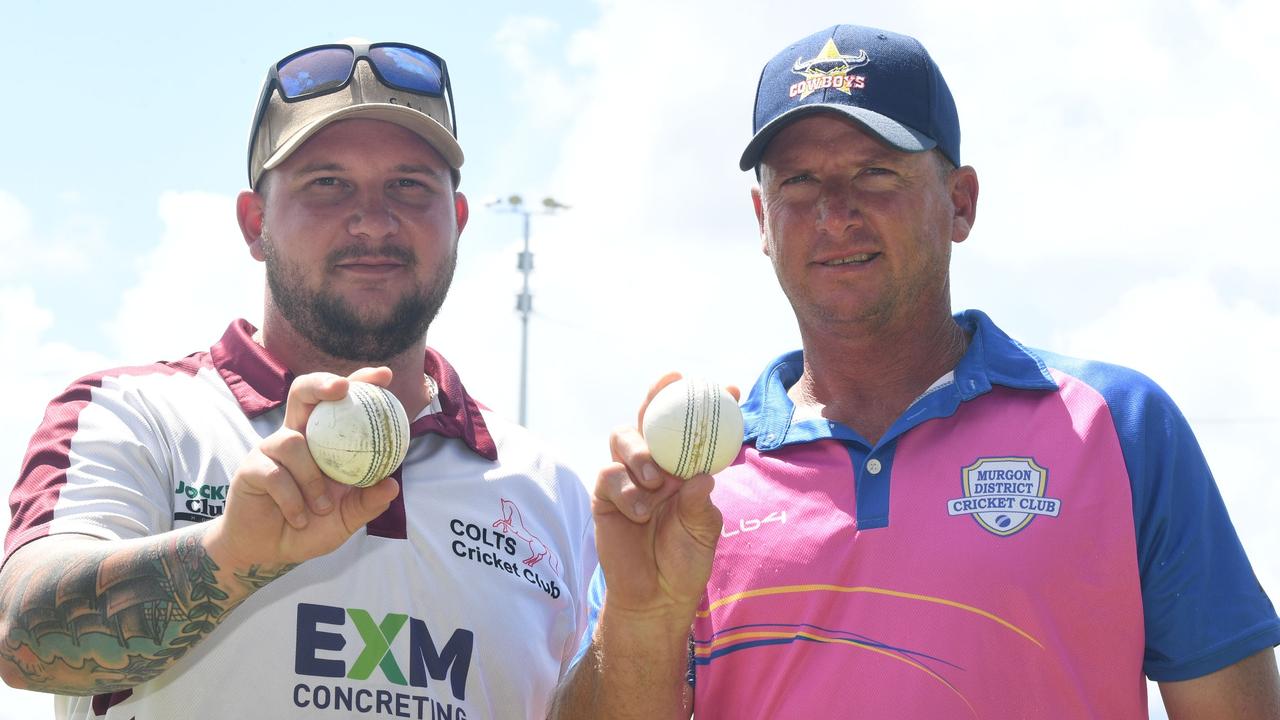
[[1028, 540]]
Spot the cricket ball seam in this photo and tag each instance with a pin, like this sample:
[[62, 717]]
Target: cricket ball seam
[[389, 432], [364, 401], [686, 447], [713, 438]]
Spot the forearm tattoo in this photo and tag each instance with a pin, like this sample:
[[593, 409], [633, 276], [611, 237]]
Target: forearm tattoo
[[108, 621]]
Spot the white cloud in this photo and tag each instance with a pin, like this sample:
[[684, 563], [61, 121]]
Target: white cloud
[[15, 226], [530, 61], [192, 284], [1139, 140], [1184, 331], [64, 247]]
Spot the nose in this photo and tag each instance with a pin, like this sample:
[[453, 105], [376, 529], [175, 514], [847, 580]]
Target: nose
[[837, 205], [372, 216]]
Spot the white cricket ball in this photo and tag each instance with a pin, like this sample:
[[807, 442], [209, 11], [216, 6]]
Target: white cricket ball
[[361, 438], [693, 427]]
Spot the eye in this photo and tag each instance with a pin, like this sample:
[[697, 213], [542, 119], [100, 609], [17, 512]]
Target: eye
[[797, 179], [415, 185], [326, 182], [414, 190]]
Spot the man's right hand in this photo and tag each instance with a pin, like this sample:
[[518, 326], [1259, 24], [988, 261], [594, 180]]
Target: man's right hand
[[656, 537], [655, 533], [281, 508]]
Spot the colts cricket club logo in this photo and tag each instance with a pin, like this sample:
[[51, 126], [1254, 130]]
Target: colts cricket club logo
[[508, 546], [829, 69], [512, 523], [1004, 494]]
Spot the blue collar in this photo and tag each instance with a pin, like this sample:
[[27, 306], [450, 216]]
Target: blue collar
[[992, 358]]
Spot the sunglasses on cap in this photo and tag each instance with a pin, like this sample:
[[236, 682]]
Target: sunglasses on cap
[[326, 69]]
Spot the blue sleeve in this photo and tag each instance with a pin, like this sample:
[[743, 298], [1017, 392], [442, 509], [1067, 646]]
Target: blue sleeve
[[1203, 607], [595, 599]]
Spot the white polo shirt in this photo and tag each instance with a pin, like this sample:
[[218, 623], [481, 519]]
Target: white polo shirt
[[464, 600]]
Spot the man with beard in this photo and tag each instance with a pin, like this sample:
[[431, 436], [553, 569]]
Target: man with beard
[[175, 551]]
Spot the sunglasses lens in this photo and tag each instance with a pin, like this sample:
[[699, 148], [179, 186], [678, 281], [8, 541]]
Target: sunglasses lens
[[408, 69], [315, 71]]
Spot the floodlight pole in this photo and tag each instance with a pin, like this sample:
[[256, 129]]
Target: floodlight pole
[[524, 301]]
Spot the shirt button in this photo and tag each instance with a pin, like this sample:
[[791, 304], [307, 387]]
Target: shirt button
[[874, 466]]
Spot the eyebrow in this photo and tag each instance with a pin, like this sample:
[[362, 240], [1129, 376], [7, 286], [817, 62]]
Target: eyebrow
[[880, 155], [408, 168], [319, 167], [422, 169]]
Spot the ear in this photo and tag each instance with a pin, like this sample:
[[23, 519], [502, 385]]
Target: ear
[[250, 211], [963, 185], [461, 209], [757, 200]]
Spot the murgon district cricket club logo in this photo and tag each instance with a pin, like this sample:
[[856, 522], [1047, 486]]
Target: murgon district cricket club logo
[[1004, 494], [830, 68]]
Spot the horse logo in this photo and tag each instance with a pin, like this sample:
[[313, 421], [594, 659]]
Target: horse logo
[[512, 523]]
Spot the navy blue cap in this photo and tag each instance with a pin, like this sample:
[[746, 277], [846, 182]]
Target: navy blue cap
[[884, 81]]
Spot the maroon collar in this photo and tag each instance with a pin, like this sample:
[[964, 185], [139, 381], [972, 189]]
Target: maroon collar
[[261, 383]]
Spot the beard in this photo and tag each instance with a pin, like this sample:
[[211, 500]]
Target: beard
[[333, 326]]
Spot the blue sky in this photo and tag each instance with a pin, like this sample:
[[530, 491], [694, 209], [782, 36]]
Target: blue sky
[[1126, 152]]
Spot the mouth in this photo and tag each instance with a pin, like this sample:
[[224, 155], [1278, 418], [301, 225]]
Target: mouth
[[370, 267], [856, 259], [362, 257], [369, 263], [362, 260]]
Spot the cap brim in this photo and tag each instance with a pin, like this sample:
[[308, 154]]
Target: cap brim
[[893, 133], [428, 129]]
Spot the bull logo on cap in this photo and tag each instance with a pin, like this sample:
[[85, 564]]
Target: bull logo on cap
[[830, 68]]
